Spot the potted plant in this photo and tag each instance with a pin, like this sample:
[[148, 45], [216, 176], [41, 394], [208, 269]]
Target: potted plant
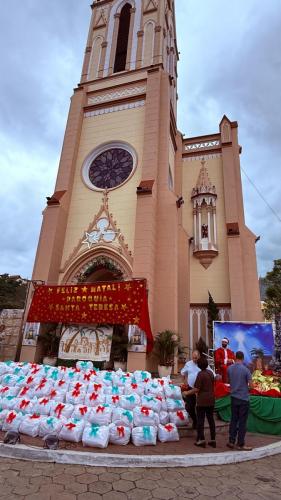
[[165, 345], [50, 342]]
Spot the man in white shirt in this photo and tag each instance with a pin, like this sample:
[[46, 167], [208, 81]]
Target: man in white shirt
[[190, 372]]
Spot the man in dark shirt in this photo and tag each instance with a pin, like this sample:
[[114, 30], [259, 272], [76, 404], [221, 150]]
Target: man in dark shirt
[[239, 377]]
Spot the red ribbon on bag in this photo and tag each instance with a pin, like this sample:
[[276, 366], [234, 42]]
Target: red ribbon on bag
[[35, 370], [93, 372], [10, 417], [100, 408], [94, 396], [87, 376], [159, 398], [180, 415], [30, 380], [34, 416], [76, 393], [42, 384], [24, 404], [121, 431], [44, 401], [77, 370], [161, 382], [97, 387], [145, 411], [59, 409], [83, 410], [134, 386], [115, 399], [146, 380], [61, 382], [169, 427], [63, 368], [53, 393], [77, 386], [70, 426], [24, 391], [4, 389]]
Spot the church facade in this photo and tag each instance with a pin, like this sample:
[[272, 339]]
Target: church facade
[[134, 198]]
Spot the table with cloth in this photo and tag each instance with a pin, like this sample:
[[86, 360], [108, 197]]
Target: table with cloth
[[264, 415]]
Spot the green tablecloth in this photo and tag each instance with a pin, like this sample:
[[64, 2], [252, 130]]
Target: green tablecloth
[[264, 415]]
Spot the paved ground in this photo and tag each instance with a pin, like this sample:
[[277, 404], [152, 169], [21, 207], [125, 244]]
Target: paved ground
[[42, 481]]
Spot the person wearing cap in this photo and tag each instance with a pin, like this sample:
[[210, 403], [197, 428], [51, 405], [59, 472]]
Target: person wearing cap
[[224, 357]]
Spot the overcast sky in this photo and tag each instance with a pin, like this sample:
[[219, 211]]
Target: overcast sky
[[230, 64]]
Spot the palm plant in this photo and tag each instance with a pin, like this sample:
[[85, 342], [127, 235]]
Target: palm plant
[[165, 345]]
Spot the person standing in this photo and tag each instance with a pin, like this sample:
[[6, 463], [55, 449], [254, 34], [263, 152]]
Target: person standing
[[239, 377], [224, 357], [205, 402], [190, 372]]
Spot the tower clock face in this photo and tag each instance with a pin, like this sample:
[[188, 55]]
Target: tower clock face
[[111, 168]]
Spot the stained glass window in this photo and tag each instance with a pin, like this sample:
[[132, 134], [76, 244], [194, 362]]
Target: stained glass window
[[111, 168]]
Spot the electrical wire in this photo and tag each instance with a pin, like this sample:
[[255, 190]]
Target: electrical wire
[[262, 197]]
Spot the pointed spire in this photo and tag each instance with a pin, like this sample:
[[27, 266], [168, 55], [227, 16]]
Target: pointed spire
[[203, 184]]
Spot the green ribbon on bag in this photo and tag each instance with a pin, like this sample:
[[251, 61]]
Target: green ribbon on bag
[[94, 430], [130, 398], [146, 433], [128, 414], [55, 375], [115, 389], [50, 422], [178, 402]]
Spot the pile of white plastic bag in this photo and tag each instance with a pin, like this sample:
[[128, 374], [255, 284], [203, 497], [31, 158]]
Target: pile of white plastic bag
[[88, 405]]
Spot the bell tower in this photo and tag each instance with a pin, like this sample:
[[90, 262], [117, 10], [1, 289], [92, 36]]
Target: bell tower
[[119, 176]]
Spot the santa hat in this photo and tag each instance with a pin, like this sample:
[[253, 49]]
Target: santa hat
[[225, 339]]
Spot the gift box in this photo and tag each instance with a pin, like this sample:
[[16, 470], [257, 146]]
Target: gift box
[[168, 432], [119, 434], [95, 436], [144, 436]]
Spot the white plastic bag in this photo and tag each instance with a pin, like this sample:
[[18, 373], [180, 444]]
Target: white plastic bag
[[120, 416], [61, 409], [57, 395], [175, 404], [72, 430], [9, 391], [95, 436], [154, 388], [114, 390], [113, 400], [144, 416], [96, 387], [75, 397], [30, 425], [9, 402], [142, 376], [119, 434], [24, 405], [168, 432], [94, 399], [3, 414], [43, 388], [12, 421], [26, 392], [50, 425], [164, 417], [43, 406], [100, 415], [81, 412], [131, 388], [172, 391], [179, 418], [152, 403], [84, 365], [130, 402], [144, 436], [61, 385]]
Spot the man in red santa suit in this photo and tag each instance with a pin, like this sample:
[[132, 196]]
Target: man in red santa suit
[[223, 358]]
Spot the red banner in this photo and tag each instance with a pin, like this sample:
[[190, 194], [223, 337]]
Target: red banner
[[118, 302]]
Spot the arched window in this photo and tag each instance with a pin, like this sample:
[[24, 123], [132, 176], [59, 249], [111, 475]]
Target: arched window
[[123, 39]]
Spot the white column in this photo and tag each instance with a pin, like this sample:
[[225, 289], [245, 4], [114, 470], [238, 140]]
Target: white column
[[198, 323], [195, 229], [191, 329], [209, 227], [215, 227], [199, 228]]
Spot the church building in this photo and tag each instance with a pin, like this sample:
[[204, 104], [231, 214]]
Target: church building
[[135, 198]]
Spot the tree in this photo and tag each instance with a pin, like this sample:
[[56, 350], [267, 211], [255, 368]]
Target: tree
[[213, 315], [273, 308], [12, 292]]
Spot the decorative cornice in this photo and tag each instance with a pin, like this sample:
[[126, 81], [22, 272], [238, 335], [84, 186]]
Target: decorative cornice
[[202, 156], [127, 92], [113, 109]]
